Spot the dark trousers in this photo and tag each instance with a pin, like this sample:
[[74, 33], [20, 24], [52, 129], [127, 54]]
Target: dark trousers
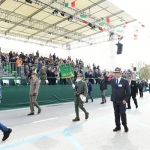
[[89, 95], [120, 111], [134, 99], [79, 104], [141, 92]]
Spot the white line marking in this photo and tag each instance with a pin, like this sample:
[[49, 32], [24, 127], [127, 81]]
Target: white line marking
[[104, 108], [45, 120]]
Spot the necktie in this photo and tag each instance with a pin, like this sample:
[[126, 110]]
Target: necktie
[[117, 82]]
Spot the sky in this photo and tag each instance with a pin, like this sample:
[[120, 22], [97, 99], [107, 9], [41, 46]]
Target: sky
[[133, 50]]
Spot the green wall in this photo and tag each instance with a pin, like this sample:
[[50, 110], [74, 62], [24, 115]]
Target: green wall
[[18, 96]]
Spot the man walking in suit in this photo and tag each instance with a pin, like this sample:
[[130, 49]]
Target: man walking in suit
[[103, 87], [120, 95], [80, 89], [140, 87], [89, 85], [33, 93], [134, 92], [6, 131]]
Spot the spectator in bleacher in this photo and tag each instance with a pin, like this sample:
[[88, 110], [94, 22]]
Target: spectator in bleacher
[[37, 53], [91, 77], [43, 75], [27, 73], [10, 55], [49, 75], [54, 57], [54, 74], [19, 64], [86, 74]]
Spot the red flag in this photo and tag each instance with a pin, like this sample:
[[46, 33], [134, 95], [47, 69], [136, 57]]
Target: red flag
[[118, 36], [108, 20], [73, 4], [84, 21]]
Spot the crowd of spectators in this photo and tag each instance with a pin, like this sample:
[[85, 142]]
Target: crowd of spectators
[[47, 67]]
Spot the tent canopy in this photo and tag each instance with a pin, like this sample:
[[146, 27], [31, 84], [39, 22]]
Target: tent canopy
[[44, 21]]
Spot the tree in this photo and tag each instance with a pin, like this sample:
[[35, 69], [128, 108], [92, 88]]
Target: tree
[[145, 72]]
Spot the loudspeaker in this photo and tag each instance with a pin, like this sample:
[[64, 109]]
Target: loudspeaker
[[134, 69], [119, 48]]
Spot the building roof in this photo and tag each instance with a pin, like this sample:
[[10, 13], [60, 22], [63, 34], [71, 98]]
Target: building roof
[[36, 21]]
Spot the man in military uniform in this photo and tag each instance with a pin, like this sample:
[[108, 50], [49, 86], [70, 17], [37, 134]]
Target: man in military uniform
[[80, 88], [33, 93]]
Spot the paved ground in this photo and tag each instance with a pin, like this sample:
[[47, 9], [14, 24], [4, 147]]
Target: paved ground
[[53, 129]]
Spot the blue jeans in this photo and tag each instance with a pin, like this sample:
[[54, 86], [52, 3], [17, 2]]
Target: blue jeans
[[3, 128]]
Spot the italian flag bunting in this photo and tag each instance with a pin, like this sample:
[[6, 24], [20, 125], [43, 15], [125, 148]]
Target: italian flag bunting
[[141, 24], [83, 17], [70, 4]]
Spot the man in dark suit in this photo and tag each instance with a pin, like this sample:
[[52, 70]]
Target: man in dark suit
[[89, 85], [134, 92], [120, 95], [140, 87]]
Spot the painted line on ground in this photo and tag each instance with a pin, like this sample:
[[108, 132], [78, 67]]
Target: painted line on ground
[[76, 126], [45, 120], [104, 107]]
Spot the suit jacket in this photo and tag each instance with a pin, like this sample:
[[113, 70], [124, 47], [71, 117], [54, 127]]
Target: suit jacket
[[133, 87], [89, 85], [81, 88], [120, 93], [34, 86]]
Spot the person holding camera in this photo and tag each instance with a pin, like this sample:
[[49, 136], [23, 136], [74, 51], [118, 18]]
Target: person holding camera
[[33, 93]]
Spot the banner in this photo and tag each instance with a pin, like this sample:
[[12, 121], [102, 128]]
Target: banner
[[66, 71]]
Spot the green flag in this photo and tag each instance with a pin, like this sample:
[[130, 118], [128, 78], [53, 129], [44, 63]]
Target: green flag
[[66, 71]]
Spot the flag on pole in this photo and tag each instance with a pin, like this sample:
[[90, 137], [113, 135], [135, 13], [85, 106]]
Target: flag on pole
[[70, 4], [66, 71]]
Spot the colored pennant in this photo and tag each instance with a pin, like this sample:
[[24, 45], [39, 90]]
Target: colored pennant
[[83, 17], [141, 24], [70, 4], [101, 29], [108, 20]]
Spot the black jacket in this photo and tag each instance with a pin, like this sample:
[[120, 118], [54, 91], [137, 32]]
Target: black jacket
[[89, 85], [134, 88], [120, 93], [103, 84]]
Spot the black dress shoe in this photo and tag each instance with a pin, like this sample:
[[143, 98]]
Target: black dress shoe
[[86, 102], [128, 108], [126, 129], [116, 129], [30, 114], [136, 106], [6, 134], [76, 119], [39, 111], [87, 115], [102, 102]]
